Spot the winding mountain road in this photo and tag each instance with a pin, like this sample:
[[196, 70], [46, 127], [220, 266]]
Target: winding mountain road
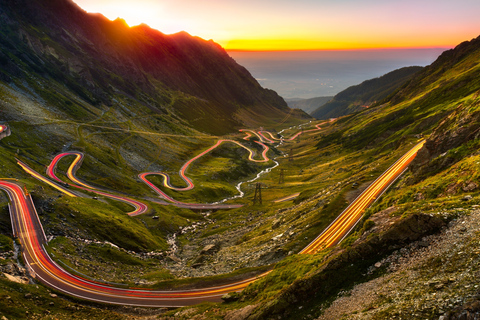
[[183, 169], [139, 206], [27, 227]]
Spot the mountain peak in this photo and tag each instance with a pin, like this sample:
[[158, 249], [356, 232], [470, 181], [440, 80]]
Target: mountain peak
[[109, 56], [121, 21]]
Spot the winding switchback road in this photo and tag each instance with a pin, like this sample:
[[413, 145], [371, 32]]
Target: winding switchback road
[[27, 227], [272, 139], [183, 169], [140, 207]]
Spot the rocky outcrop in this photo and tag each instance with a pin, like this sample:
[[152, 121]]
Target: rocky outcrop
[[240, 314], [347, 266], [15, 273], [456, 129], [469, 311]]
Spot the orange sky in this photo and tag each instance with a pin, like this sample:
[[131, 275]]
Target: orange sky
[[305, 24]]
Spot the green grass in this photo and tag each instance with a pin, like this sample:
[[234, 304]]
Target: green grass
[[211, 281], [6, 243], [19, 301], [105, 262], [283, 274]]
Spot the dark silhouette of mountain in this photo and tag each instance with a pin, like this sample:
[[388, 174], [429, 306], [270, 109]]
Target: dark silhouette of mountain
[[308, 105], [357, 97], [98, 59]]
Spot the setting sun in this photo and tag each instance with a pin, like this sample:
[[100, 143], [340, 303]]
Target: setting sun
[[304, 25]]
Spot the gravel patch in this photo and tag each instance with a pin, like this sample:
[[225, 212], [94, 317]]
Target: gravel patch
[[422, 281]]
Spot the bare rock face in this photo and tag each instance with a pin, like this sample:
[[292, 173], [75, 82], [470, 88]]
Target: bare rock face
[[231, 297], [240, 314], [17, 279], [13, 269], [204, 255], [456, 129], [209, 249]]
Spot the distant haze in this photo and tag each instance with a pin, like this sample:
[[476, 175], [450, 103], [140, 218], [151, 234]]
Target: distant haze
[[309, 74]]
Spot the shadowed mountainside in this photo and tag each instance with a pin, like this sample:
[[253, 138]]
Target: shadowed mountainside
[[308, 105], [98, 59]]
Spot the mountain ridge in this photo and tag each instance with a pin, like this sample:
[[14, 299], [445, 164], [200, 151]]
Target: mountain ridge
[[59, 39], [308, 105], [357, 97]]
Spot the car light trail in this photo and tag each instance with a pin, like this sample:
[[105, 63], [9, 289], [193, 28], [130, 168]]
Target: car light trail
[[188, 181], [347, 220], [72, 169], [140, 207], [38, 176], [28, 229]]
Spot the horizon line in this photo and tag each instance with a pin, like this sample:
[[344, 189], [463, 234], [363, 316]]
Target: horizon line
[[343, 49]]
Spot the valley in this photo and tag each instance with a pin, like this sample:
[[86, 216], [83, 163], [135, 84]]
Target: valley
[[150, 176], [28, 228]]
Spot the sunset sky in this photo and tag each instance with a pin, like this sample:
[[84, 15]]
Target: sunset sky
[[305, 24]]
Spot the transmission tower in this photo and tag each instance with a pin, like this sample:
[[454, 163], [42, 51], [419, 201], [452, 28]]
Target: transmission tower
[[258, 194], [281, 178], [290, 155]]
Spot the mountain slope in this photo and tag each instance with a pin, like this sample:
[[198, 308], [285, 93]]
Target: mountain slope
[[98, 59], [411, 233], [308, 105], [357, 97]]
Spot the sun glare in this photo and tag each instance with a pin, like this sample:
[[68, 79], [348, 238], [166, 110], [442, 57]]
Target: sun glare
[[133, 13]]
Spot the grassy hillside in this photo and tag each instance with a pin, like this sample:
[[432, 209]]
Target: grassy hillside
[[412, 256], [361, 96]]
